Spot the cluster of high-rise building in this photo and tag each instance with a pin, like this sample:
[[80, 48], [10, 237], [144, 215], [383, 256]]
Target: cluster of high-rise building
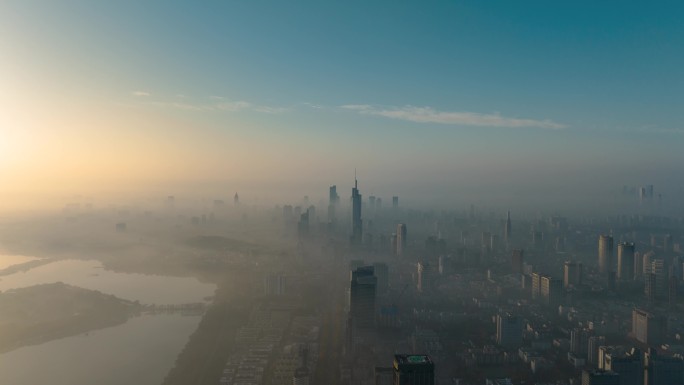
[[659, 276], [545, 297]]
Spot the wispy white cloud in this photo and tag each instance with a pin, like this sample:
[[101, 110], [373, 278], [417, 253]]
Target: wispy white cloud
[[242, 105], [269, 110], [233, 106], [430, 115], [216, 103], [312, 105], [140, 93], [187, 106], [358, 107]]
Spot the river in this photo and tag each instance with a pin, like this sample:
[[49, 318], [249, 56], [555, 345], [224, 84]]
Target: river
[[140, 351]]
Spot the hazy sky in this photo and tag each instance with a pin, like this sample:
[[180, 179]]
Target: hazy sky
[[436, 98]]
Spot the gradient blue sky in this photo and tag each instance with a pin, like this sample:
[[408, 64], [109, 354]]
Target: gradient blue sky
[[490, 95]]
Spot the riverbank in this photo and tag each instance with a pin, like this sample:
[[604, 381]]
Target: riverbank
[[205, 354]]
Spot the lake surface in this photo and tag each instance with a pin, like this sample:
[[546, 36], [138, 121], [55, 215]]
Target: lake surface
[[148, 289], [141, 351]]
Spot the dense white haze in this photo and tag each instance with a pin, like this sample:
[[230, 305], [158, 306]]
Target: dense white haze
[[522, 191]]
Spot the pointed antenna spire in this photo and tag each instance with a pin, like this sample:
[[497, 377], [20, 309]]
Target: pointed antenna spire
[[356, 182]]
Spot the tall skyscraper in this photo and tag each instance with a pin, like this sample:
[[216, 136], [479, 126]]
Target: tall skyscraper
[[509, 330], [572, 274], [536, 286], [628, 364], [362, 297], [663, 370], [357, 224], [401, 238], [517, 261], [579, 341], [413, 370], [593, 349], [395, 202], [648, 328], [551, 291], [303, 225], [312, 214], [650, 288], [659, 269], [646, 265], [507, 228], [638, 266], [646, 193], [446, 264], [333, 200], [676, 267], [605, 253], [393, 244], [625, 271], [236, 199], [425, 274]]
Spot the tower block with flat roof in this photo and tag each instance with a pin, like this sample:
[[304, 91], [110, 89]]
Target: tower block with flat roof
[[413, 370]]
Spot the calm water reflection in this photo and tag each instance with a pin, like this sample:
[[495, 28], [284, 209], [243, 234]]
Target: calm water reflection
[[141, 351], [148, 289]]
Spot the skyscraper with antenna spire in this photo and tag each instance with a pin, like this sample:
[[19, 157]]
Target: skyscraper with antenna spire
[[507, 228], [357, 225]]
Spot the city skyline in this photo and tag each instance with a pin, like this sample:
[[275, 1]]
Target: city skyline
[[342, 193]]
